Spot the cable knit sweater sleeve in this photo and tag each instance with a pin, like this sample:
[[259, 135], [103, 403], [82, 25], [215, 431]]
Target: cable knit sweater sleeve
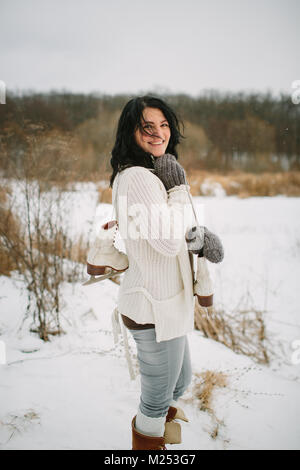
[[159, 216]]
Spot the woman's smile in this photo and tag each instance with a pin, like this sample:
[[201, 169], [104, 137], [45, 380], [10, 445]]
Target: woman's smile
[[156, 143]]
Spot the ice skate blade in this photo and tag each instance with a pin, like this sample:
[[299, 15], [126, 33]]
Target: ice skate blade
[[94, 279]]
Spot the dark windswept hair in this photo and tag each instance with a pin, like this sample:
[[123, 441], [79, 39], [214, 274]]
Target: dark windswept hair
[[126, 152]]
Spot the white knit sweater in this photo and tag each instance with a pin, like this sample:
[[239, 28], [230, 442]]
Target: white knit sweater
[[158, 285]]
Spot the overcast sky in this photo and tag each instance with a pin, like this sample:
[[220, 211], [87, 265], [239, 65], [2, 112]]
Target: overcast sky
[[133, 46]]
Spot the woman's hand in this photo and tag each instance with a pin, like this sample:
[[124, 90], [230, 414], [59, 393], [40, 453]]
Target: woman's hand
[[202, 242], [169, 171]]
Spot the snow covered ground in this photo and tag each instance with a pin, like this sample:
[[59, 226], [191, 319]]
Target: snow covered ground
[[75, 392]]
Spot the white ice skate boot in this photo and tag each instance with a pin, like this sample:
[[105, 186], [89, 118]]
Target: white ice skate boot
[[203, 286], [104, 259]]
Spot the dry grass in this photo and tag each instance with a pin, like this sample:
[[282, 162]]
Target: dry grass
[[236, 183], [7, 264], [10, 225], [79, 251], [205, 384], [17, 423], [202, 391], [39, 249], [105, 195], [243, 331], [3, 195], [247, 184]]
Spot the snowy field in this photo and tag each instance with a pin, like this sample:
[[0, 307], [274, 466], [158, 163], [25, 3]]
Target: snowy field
[[75, 392]]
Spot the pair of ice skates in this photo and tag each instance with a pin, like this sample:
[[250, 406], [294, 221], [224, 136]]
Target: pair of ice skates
[[105, 261]]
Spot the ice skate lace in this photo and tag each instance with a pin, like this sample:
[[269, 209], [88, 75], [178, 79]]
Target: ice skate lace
[[117, 323], [116, 326]]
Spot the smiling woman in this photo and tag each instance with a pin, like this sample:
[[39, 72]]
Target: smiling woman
[[155, 133], [156, 295], [155, 298], [147, 127]]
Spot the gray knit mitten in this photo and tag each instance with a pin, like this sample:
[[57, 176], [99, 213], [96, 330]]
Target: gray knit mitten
[[202, 242], [169, 171]]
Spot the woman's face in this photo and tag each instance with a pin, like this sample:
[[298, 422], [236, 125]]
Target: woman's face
[[157, 125]]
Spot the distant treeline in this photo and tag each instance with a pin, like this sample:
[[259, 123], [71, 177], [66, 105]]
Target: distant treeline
[[224, 132]]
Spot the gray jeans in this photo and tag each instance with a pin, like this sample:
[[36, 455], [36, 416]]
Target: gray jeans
[[165, 370]]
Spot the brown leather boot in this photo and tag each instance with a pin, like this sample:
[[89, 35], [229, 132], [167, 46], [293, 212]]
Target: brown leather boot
[[142, 442]]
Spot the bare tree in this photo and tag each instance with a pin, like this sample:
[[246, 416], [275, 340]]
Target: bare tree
[[33, 235]]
